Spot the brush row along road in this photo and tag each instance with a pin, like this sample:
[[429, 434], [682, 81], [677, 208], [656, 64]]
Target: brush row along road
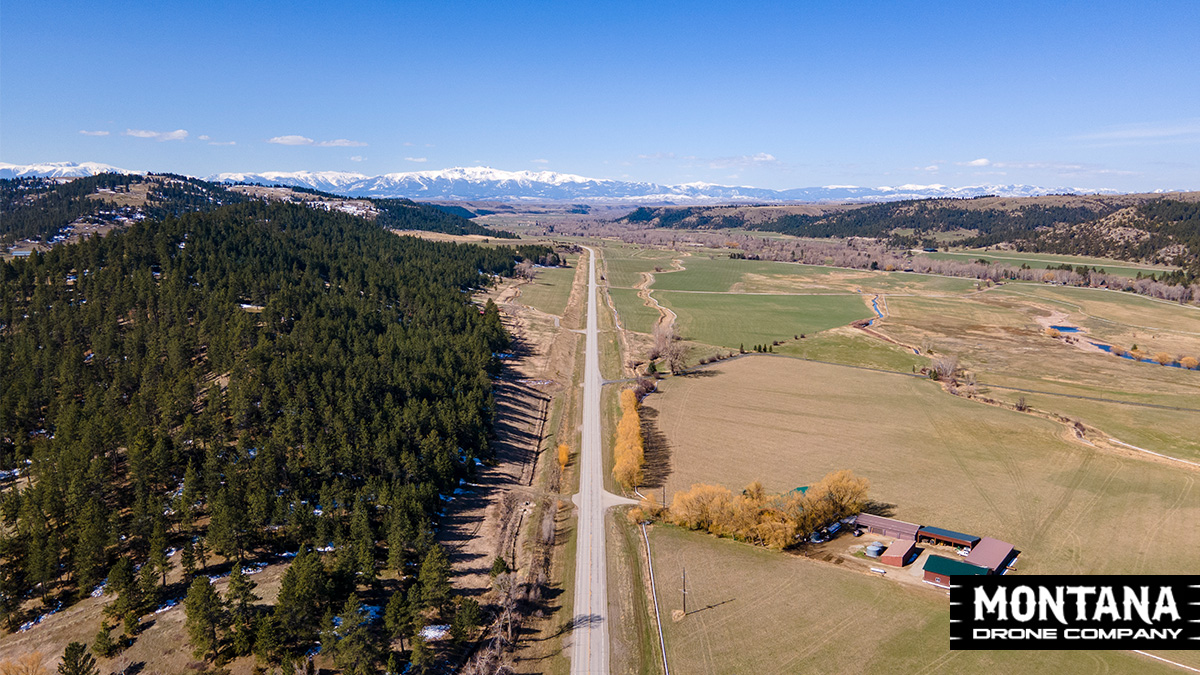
[[589, 638]]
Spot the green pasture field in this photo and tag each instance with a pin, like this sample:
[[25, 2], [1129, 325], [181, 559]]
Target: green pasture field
[[626, 263], [1048, 260], [550, 289], [852, 346], [730, 320], [635, 315], [751, 610], [718, 274], [939, 459], [760, 276]]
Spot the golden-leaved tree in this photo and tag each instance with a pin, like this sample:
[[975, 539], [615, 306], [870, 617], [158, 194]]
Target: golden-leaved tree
[[629, 454], [775, 521]]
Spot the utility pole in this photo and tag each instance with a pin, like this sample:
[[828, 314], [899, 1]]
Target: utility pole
[[684, 591]]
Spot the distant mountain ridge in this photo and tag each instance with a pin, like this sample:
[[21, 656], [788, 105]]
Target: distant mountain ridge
[[485, 183]]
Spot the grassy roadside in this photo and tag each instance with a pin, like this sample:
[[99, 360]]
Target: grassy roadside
[[632, 634], [543, 645]]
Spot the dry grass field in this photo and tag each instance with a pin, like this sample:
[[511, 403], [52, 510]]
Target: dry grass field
[[941, 460], [758, 611], [938, 460], [996, 336], [550, 288]]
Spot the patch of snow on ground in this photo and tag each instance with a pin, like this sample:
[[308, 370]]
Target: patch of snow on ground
[[30, 624], [435, 632], [254, 568]]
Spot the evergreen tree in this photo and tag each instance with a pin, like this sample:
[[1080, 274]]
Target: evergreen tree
[[397, 543], [302, 597], [266, 639], [422, 657], [77, 661], [355, 651], [187, 560], [103, 646], [240, 595], [205, 617], [240, 598], [435, 578], [158, 549], [201, 549], [499, 566], [467, 618], [398, 617], [364, 540]]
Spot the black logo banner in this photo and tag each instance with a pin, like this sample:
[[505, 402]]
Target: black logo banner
[[1075, 612]]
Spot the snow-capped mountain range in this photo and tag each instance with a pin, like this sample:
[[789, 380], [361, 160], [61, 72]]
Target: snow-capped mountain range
[[479, 183]]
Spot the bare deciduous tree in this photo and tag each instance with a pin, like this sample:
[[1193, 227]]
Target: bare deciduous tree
[[945, 366]]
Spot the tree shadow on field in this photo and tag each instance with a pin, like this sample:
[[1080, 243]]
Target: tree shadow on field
[[880, 509], [657, 450]]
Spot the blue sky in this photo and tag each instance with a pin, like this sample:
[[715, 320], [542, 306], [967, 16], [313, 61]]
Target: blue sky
[[1083, 94]]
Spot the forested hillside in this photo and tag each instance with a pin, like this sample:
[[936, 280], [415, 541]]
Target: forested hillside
[[404, 214], [39, 208], [259, 379], [1146, 228], [43, 210]]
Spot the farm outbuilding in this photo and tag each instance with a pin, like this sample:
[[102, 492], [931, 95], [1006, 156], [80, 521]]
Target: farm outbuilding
[[938, 570], [937, 535], [899, 553], [887, 526], [991, 553]]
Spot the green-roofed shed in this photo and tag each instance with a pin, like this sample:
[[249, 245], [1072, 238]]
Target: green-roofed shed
[[938, 570]]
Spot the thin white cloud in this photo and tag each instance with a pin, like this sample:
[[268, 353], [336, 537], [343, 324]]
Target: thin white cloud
[[93, 133], [540, 161], [296, 139], [341, 143], [204, 137], [416, 159], [409, 144], [931, 167], [222, 142], [1072, 169], [177, 135], [357, 158], [1186, 130], [291, 139], [743, 161]]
